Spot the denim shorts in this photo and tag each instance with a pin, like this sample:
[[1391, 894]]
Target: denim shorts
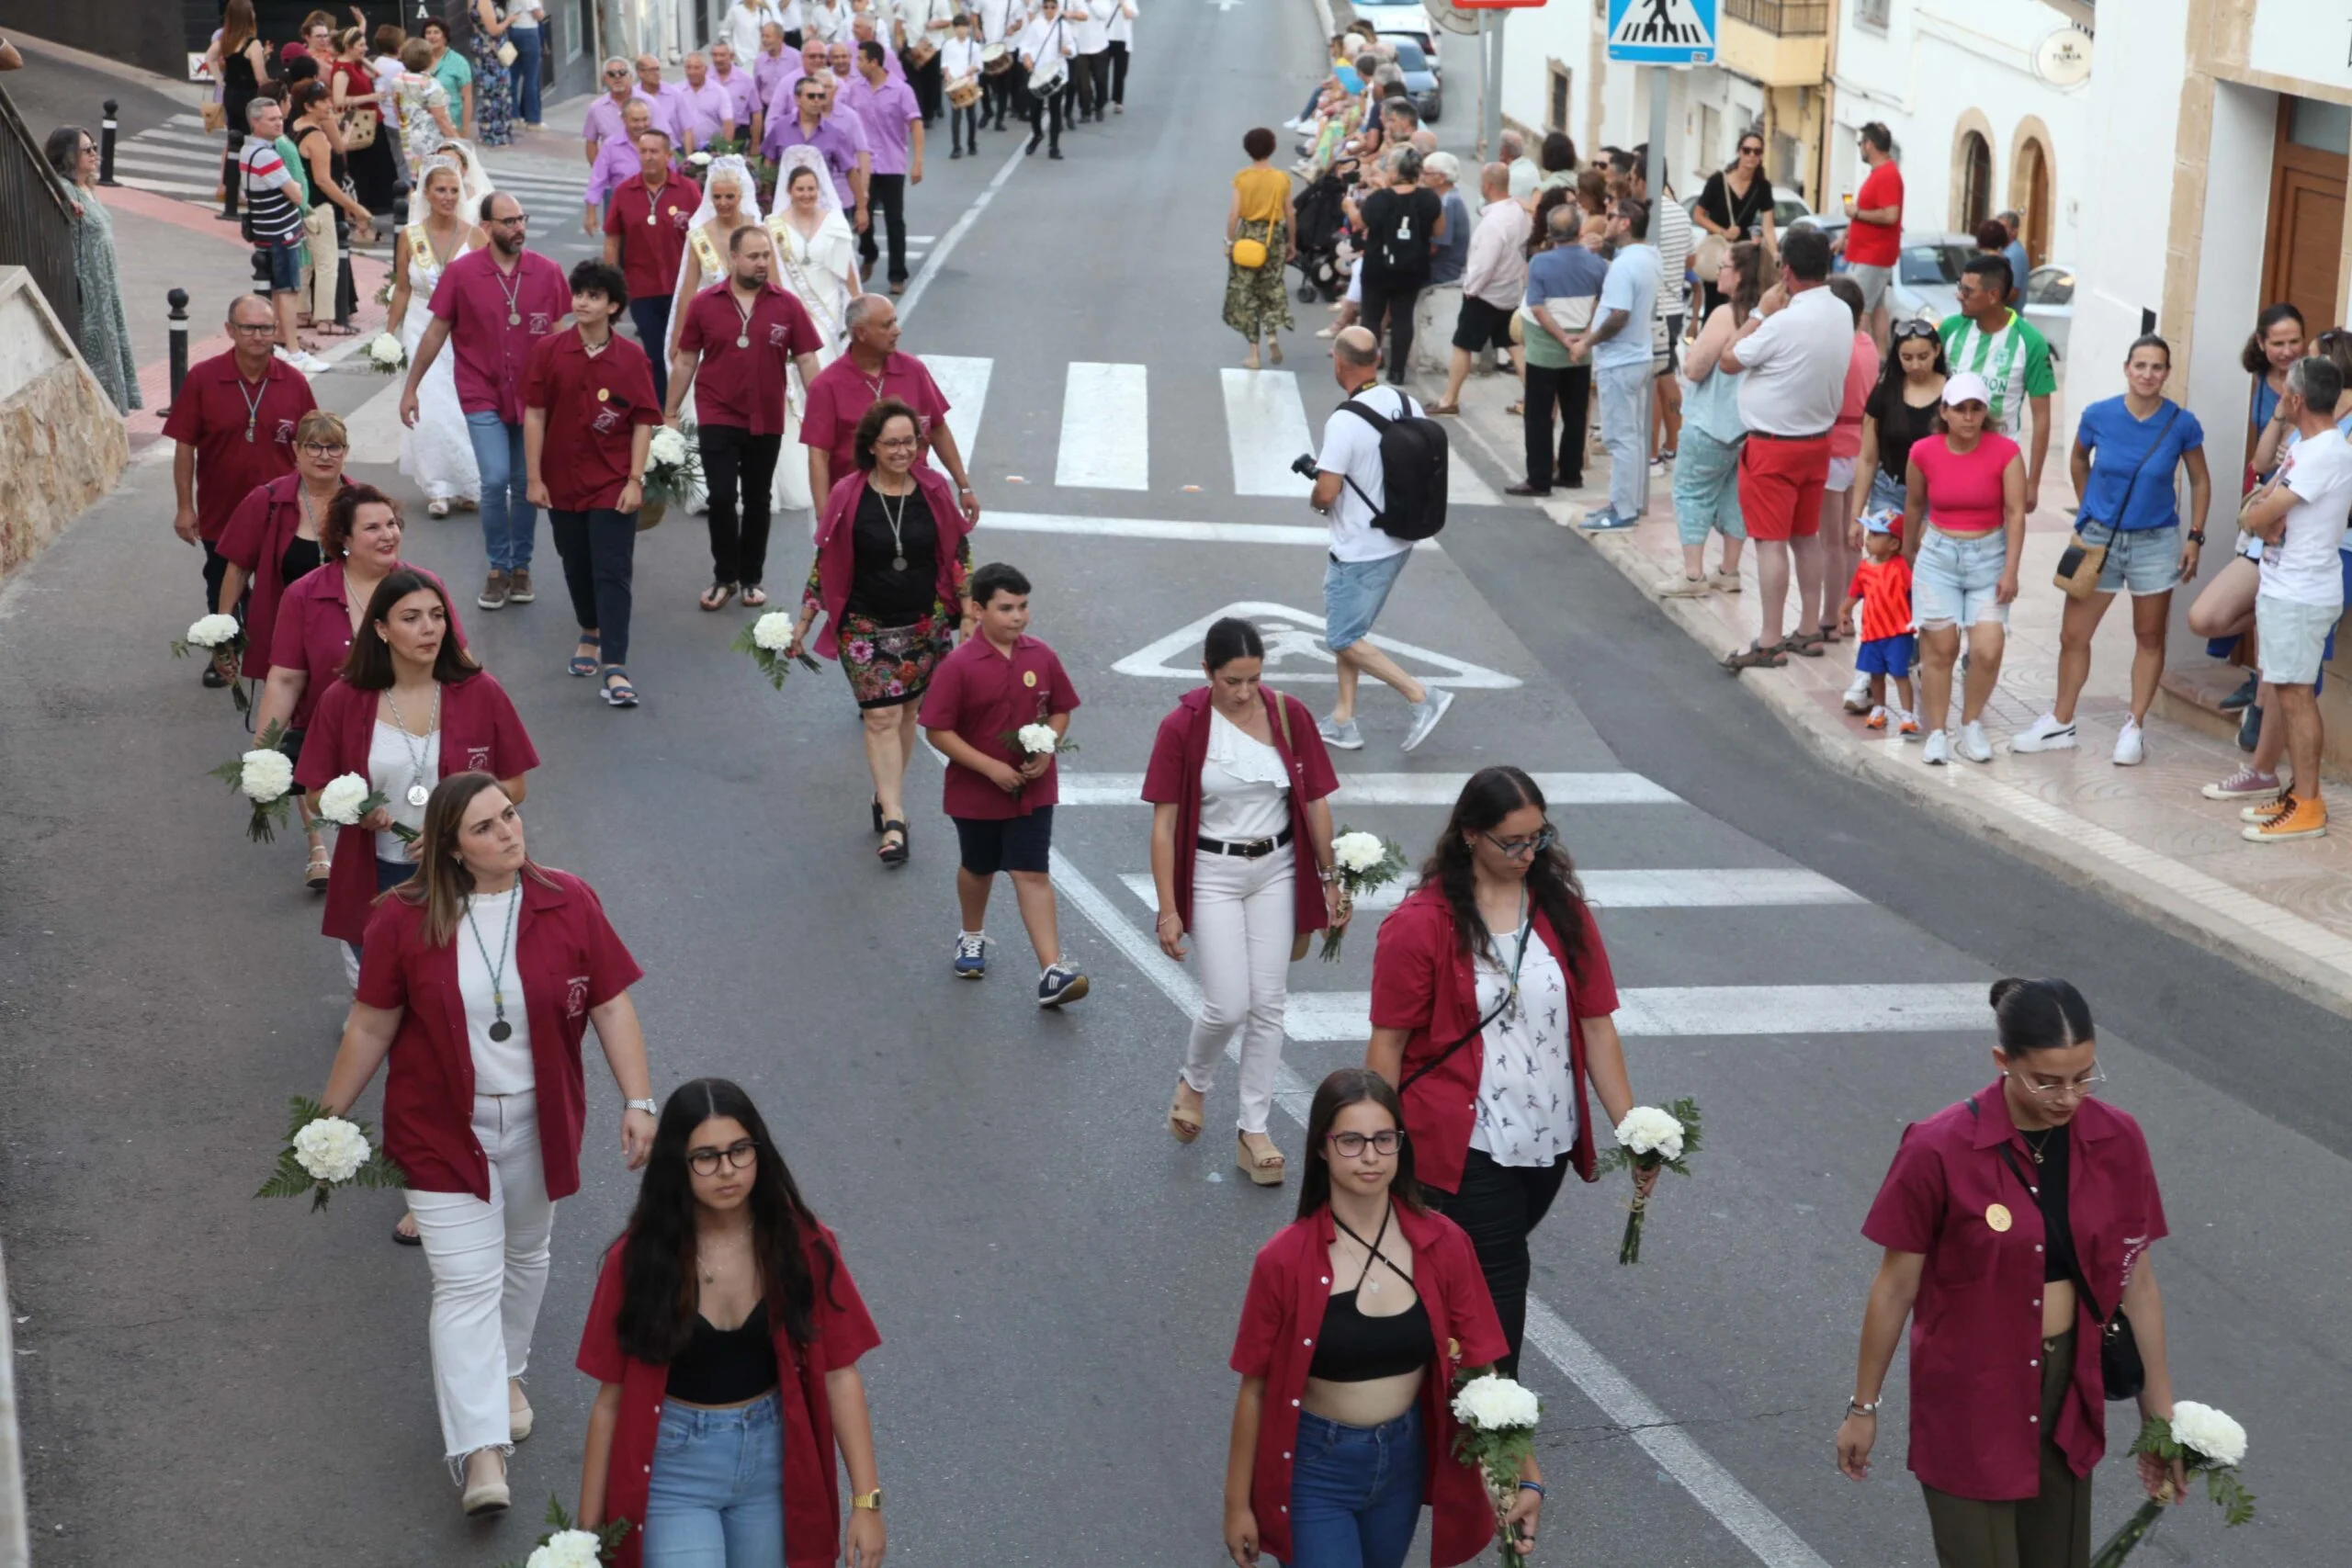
[[2294, 637], [285, 266], [1886, 494], [2144, 560], [1353, 592], [1954, 581], [1355, 1492]]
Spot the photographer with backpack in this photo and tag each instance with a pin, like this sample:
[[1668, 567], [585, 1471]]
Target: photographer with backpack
[[1380, 480]]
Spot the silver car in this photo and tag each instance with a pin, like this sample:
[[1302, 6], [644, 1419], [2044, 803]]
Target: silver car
[[1927, 274], [2050, 303]]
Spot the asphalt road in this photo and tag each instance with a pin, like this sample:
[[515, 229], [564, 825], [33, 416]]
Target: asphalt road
[[205, 1378]]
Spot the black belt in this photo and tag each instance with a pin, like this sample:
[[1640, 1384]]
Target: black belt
[[1771, 435], [1251, 849]]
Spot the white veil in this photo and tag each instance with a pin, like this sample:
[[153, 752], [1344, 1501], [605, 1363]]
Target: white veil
[[732, 168], [474, 181], [828, 195]]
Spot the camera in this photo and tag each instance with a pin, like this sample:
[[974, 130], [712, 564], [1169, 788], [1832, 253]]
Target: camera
[[1304, 466]]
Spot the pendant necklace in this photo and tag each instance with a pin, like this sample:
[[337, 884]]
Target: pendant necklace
[[417, 793], [254, 400], [898, 544], [2033, 1148], [514, 310], [500, 1029], [742, 338]]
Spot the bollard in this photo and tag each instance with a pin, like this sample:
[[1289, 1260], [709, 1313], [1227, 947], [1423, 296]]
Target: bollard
[[105, 144], [177, 300], [232, 175]]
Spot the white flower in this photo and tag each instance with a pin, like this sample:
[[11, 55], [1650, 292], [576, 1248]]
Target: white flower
[[566, 1548], [667, 448], [265, 776], [699, 160], [1495, 1405], [213, 631], [1358, 851], [339, 802], [330, 1149], [773, 631], [1646, 1130], [1039, 739], [387, 350], [2208, 1431]]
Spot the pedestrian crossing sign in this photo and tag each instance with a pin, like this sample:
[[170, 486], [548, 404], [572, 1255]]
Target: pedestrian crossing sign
[[1662, 32]]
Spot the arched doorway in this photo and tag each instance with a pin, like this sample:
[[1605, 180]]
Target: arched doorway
[[2030, 194], [1973, 164]]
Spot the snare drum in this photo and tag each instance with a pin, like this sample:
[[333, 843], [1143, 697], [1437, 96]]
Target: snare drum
[[964, 92], [921, 53], [1049, 79], [996, 59]]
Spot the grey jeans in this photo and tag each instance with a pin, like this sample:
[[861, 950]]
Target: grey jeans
[[1624, 391]]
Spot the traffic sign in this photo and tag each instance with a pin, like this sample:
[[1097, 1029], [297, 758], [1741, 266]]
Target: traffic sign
[[1662, 32]]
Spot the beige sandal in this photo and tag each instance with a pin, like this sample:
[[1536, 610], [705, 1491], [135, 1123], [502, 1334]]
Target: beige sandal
[[321, 869], [1184, 1125], [1265, 1169]]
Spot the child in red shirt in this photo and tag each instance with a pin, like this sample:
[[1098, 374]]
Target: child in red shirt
[[1881, 586]]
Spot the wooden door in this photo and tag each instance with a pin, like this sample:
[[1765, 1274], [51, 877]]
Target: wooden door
[[2304, 250], [2037, 206]]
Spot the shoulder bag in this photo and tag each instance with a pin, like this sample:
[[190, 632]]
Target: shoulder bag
[[2080, 564]]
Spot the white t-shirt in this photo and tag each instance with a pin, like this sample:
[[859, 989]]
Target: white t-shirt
[[489, 935], [959, 58], [2303, 567], [1245, 789], [1795, 379], [395, 760], [1043, 42], [1352, 449], [1527, 1115]]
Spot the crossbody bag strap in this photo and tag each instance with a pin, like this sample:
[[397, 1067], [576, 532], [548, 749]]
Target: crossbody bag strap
[[2115, 528], [1418, 1074]]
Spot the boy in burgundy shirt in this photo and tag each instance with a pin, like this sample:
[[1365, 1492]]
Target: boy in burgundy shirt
[[588, 417], [1000, 797]]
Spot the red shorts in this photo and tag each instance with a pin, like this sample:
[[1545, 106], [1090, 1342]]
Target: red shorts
[[1780, 486]]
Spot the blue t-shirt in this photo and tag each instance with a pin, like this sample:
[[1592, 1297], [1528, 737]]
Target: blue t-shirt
[[1632, 286], [2117, 443], [1453, 252], [2014, 254], [1349, 83]]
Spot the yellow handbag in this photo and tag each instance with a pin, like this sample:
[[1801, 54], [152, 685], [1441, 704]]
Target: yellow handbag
[[1249, 253]]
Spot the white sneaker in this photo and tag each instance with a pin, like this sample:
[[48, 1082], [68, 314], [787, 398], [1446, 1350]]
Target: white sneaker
[[1937, 750], [2046, 734], [1858, 696], [1972, 744], [2131, 746]]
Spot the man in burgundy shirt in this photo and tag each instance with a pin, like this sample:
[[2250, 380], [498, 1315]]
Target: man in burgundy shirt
[[894, 128], [497, 303], [645, 236], [233, 426], [999, 795], [589, 414], [872, 369], [734, 348]]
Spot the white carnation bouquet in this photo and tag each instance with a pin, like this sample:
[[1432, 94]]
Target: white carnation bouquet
[[769, 641], [1039, 739], [264, 776], [1364, 860], [385, 355], [2211, 1444], [220, 639], [672, 468], [348, 801], [564, 1545], [324, 1153], [1646, 1139], [1496, 1432]]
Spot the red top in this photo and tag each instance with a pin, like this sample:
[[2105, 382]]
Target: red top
[[837, 553], [844, 1332], [312, 633], [1964, 489], [265, 523], [476, 299], [652, 231], [744, 387], [1421, 983], [593, 404], [480, 731], [215, 407], [568, 960], [1862, 375], [1290, 1287], [984, 695], [842, 393], [1884, 589], [1876, 245], [1178, 753], [1977, 1325]]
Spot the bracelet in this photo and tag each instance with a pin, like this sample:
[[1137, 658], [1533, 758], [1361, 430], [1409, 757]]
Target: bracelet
[[1534, 1487], [1856, 1408]]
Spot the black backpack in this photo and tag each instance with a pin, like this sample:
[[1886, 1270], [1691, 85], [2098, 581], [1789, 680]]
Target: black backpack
[[1396, 250], [1413, 458]]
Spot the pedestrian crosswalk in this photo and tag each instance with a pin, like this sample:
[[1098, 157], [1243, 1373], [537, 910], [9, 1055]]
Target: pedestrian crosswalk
[[178, 158]]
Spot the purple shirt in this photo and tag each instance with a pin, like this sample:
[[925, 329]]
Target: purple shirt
[[704, 109], [743, 91], [768, 71], [616, 162], [474, 298], [837, 139], [603, 121], [885, 112], [669, 107]]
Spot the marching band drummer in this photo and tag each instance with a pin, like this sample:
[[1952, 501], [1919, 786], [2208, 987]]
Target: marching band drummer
[[999, 25], [959, 65], [1049, 49]]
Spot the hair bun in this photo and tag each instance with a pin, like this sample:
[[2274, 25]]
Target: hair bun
[[2005, 987]]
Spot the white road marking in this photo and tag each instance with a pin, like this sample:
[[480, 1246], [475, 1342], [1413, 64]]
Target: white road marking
[[954, 235], [1265, 428], [1464, 488], [167, 160], [963, 382], [1106, 431], [1665, 1011], [1402, 789], [1698, 889], [1295, 637], [1153, 528], [1548, 1335], [164, 187]]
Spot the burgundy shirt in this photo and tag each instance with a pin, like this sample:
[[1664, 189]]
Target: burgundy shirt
[[215, 407], [652, 231], [984, 697], [265, 523], [1977, 1323], [569, 959], [593, 406], [476, 300], [842, 393], [312, 634], [1174, 776], [743, 388]]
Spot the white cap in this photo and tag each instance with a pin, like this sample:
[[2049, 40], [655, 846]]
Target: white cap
[[1966, 386]]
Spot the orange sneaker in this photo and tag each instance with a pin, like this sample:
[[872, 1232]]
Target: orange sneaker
[[1910, 729], [1877, 719], [2302, 819], [2268, 811]]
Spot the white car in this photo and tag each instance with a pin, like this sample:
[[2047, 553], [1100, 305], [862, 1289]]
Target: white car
[[2050, 303]]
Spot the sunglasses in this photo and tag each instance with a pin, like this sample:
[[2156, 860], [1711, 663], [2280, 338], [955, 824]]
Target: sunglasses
[[1913, 329], [1751, 152]]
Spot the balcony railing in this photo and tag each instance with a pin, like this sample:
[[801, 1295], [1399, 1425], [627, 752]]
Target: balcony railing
[[36, 226], [1781, 18]]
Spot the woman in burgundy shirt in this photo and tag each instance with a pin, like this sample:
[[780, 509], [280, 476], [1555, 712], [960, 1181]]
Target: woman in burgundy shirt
[[2015, 1223]]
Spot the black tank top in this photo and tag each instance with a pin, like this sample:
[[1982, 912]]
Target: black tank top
[[2057, 1225], [726, 1366], [1356, 1348]]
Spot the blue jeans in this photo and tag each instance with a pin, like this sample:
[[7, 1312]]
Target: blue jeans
[[716, 1496], [1355, 1492], [509, 521], [526, 72], [1624, 394]]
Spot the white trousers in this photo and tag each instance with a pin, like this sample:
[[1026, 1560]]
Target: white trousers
[[1244, 917], [490, 1269]]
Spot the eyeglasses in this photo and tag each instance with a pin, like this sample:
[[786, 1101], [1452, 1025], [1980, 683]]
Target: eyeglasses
[[253, 329], [896, 442], [2082, 1088], [323, 449], [508, 222], [705, 1162], [1522, 849], [1351, 1145]]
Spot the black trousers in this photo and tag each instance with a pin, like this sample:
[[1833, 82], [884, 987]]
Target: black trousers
[[1499, 1206], [1046, 117], [1397, 305], [216, 571], [736, 463], [886, 200], [1118, 70], [926, 81], [999, 100], [964, 126], [599, 551], [1092, 72], [1571, 390], [652, 319]]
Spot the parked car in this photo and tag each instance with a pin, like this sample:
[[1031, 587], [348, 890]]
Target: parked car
[[1786, 210], [2050, 303], [1927, 276], [1422, 39], [1420, 81]]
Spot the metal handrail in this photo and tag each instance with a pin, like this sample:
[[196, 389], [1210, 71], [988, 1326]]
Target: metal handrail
[[36, 220]]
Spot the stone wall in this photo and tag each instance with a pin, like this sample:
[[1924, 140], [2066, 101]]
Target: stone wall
[[62, 443]]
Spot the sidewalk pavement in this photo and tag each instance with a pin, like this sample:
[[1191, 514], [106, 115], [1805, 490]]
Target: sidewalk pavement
[[2143, 834]]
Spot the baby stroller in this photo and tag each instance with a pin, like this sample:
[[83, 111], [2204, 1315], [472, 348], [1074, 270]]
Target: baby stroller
[[1321, 222]]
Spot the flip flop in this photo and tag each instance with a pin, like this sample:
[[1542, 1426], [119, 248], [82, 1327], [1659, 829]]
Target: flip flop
[[754, 596], [724, 591]]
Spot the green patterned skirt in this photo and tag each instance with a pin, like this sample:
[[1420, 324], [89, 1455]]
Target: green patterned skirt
[[1257, 302]]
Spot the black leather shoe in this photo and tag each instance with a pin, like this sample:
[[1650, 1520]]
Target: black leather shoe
[[1053, 152]]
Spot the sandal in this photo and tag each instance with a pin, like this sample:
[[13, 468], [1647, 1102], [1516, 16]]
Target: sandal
[[715, 597], [1515, 410], [893, 854], [320, 868], [1808, 644], [1454, 409], [1186, 1125], [877, 814], [1265, 1169], [585, 664], [616, 692], [406, 1238], [1755, 655], [754, 596], [1831, 634]]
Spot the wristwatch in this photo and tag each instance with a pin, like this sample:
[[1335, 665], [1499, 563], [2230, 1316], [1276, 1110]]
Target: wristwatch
[[2195, 536], [868, 1499], [651, 1107]]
